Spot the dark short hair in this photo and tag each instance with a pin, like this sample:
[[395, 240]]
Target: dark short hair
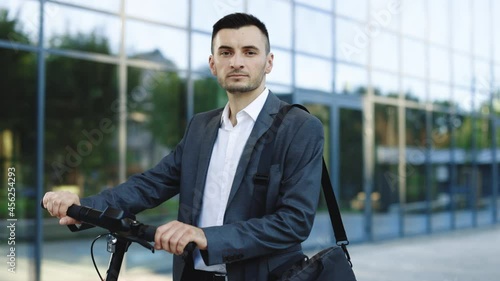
[[238, 20]]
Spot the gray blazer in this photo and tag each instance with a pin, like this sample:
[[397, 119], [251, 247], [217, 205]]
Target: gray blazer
[[250, 245]]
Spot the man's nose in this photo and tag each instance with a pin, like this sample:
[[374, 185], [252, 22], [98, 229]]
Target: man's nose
[[237, 61]]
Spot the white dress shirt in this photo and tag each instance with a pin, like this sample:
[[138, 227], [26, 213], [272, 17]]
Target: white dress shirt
[[226, 154]]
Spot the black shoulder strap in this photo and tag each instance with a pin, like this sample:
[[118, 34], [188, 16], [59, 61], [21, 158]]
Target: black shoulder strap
[[261, 178]]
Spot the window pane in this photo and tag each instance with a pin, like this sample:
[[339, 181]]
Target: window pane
[[496, 33], [307, 40], [482, 88], [351, 42], [385, 84], [461, 19], [313, 73], [323, 4], [350, 79], [413, 18], [167, 11], [481, 32], [462, 73], [282, 68], [81, 125], [440, 94], [18, 119], [416, 178], [386, 179], [442, 124], [279, 28], [24, 16], [439, 68], [200, 52], [355, 9], [157, 43], [385, 14], [413, 58], [414, 89], [65, 30], [206, 13], [385, 51], [496, 91], [439, 22], [208, 94], [110, 5], [462, 97]]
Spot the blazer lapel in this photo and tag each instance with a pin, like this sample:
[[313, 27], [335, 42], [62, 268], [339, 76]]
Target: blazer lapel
[[262, 124], [207, 144]]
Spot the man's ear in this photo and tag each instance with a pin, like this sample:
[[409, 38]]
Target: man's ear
[[269, 62], [211, 64]]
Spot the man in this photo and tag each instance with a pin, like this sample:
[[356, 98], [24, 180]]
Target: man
[[213, 166]]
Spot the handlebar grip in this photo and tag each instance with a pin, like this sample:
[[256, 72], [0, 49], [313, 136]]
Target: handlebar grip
[[85, 214], [149, 233]]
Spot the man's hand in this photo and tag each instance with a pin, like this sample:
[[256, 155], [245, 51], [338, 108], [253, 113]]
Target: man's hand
[[174, 236], [57, 204]]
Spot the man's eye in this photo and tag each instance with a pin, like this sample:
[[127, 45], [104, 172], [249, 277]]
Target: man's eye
[[225, 53]]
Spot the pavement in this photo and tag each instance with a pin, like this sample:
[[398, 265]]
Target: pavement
[[471, 254]]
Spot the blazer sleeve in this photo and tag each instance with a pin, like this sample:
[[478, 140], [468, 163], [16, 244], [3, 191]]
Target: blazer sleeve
[[299, 188]]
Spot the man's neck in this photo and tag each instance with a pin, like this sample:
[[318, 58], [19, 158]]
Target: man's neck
[[239, 101]]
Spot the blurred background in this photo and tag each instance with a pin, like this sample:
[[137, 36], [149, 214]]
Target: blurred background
[[95, 91]]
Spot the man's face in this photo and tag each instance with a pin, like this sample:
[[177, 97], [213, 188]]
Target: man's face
[[239, 60]]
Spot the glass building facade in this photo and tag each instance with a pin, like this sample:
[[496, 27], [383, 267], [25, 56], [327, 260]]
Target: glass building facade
[[408, 92]]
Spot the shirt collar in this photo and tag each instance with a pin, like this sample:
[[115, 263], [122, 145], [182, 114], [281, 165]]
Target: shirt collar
[[253, 109]]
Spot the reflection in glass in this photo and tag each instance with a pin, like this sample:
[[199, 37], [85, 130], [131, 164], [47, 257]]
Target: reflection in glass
[[351, 42], [439, 68], [206, 13], [413, 18], [461, 18], [385, 51], [439, 22], [350, 79], [496, 35], [110, 5], [81, 125], [282, 68], [18, 121], [279, 28], [482, 94], [310, 24], [24, 16], [208, 94], [462, 98], [465, 185], [413, 57], [414, 89], [385, 84], [355, 9], [415, 206], [385, 196], [324, 5], [313, 73], [385, 14], [166, 11], [440, 94], [351, 195], [157, 116], [462, 73], [200, 52], [156, 43], [481, 32], [442, 170], [67, 23]]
